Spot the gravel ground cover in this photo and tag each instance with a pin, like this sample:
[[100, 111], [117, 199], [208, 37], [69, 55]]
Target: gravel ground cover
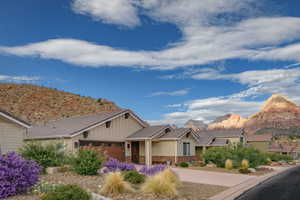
[[187, 191]]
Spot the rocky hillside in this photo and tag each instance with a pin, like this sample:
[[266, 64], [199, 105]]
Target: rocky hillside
[[37, 104], [278, 112], [230, 121]]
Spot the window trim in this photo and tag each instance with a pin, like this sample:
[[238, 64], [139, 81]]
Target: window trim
[[186, 149]]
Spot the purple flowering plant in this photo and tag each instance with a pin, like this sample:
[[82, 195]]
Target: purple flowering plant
[[17, 175], [113, 165], [150, 171]]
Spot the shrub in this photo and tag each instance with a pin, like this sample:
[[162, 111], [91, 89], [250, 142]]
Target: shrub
[[134, 177], [236, 153], [113, 165], [48, 155], [86, 162], [150, 171], [44, 187], [228, 164], [278, 157], [67, 192], [163, 183], [183, 164], [114, 184], [244, 171], [17, 175], [245, 164], [171, 176]]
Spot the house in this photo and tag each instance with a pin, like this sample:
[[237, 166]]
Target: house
[[12, 132], [286, 148], [122, 135], [217, 138], [260, 142]]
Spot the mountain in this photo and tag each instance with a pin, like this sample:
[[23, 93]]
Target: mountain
[[278, 113], [230, 121], [37, 104], [196, 125]]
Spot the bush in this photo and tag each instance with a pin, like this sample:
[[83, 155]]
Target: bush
[[228, 164], [67, 192], [44, 187], [236, 153], [183, 164], [244, 171], [171, 176], [278, 157], [113, 165], [163, 183], [17, 175], [114, 184], [134, 177], [49, 155], [245, 164], [86, 162], [150, 171]]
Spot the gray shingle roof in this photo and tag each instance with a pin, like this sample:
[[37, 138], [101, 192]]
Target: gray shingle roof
[[223, 133], [175, 134], [148, 132], [218, 142], [204, 140], [4, 113], [69, 127]]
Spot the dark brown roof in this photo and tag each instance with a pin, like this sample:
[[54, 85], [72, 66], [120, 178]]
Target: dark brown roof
[[15, 118], [69, 127]]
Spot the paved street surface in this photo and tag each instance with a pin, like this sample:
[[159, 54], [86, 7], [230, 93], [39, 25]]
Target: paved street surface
[[285, 186], [212, 178]]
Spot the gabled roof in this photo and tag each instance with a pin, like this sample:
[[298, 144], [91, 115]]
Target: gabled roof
[[219, 142], [14, 119], [149, 132], [204, 140], [70, 127], [223, 133], [259, 138], [176, 133]]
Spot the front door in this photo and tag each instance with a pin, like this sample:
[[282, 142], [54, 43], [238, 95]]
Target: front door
[[135, 152]]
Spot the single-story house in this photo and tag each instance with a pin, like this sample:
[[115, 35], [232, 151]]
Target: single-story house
[[12, 132], [260, 142], [122, 135], [291, 149]]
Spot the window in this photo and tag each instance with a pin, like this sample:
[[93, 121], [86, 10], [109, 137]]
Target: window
[[107, 124], [186, 149], [126, 115], [76, 145], [167, 130], [85, 134]]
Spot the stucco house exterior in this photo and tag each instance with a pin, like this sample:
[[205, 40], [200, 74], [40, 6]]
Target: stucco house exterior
[[12, 132]]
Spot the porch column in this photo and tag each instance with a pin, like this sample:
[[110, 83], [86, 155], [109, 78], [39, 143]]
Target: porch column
[[148, 152]]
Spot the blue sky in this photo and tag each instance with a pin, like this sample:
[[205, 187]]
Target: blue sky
[[168, 60]]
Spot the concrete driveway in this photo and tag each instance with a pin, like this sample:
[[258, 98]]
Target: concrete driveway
[[212, 178]]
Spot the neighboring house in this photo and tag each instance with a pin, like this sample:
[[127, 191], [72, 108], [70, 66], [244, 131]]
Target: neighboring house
[[160, 144], [12, 132], [292, 149], [217, 138], [260, 142]]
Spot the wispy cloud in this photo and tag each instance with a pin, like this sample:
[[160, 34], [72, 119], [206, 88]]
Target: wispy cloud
[[259, 83], [19, 79], [206, 38], [171, 93]]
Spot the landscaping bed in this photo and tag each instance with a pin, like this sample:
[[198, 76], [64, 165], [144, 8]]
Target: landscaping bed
[[187, 191], [259, 172]]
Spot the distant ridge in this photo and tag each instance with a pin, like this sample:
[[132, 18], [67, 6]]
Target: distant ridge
[[37, 104]]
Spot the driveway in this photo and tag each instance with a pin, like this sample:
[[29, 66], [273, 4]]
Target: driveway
[[212, 178]]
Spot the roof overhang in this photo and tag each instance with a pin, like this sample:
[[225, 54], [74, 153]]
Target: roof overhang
[[14, 119]]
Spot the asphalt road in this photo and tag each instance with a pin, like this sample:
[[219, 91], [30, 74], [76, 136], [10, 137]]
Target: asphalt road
[[285, 186]]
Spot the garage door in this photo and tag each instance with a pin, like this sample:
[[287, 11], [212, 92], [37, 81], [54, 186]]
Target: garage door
[[111, 149]]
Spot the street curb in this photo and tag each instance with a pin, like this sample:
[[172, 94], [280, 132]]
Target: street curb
[[237, 190]]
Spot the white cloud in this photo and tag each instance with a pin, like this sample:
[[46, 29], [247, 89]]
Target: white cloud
[[19, 79], [174, 105], [260, 83], [206, 36], [121, 12], [171, 93]]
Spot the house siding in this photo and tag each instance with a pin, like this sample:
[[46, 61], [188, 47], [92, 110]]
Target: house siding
[[11, 136], [192, 142]]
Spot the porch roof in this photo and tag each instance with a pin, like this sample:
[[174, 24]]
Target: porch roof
[[148, 132], [176, 133]]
